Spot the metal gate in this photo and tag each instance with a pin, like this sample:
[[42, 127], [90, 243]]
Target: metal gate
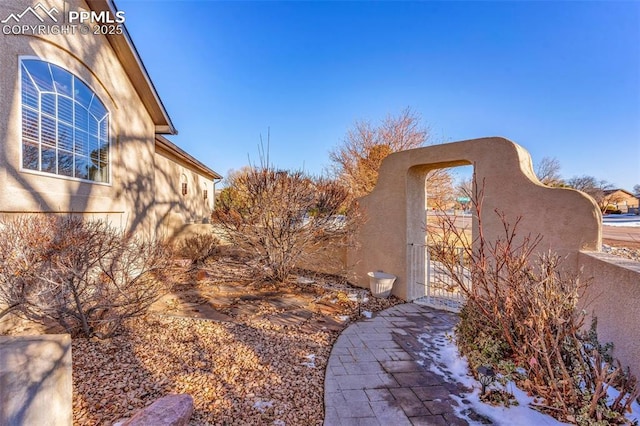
[[431, 283]]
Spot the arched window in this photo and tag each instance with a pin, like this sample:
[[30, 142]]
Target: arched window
[[183, 184], [65, 127]]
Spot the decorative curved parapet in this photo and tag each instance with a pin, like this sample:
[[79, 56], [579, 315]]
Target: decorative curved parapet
[[567, 220]]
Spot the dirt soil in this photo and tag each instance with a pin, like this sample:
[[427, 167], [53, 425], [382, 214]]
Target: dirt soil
[[248, 353]]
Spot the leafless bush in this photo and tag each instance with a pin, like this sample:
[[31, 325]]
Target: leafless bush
[[198, 248], [277, 217], [522, 309], [84, 275]]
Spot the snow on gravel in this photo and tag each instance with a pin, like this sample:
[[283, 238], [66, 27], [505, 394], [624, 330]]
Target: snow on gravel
[[312, 361], [262, 406]]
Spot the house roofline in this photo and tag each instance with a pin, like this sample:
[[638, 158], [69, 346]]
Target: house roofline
[[128, 56], [611, 191], [169, 147]]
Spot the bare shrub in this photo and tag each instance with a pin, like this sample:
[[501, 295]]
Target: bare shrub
[[84, 275], [279, 217], [522, 311], [198, 248]]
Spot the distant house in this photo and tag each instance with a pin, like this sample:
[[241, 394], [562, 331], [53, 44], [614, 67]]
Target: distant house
[[619, 199], [81, 124]]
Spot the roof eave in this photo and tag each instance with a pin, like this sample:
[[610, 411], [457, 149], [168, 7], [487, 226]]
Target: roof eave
[[128, 56], [168, 146]]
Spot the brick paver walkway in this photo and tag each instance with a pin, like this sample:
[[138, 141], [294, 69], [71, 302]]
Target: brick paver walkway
[[376, 373]]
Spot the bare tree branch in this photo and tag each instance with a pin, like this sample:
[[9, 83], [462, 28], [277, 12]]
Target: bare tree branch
[[357, 160], [548, 171], [593, 187]]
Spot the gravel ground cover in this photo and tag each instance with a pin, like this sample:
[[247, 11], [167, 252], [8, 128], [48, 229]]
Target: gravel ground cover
[[262, 361], [248, 353], [621, 251]]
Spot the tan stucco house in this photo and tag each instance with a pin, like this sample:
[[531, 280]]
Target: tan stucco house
[[620, 199], [81, 124]]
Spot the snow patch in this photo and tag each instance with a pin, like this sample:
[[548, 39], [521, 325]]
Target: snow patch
[[262, 406], [613, 393], [305, 280], [630, 220], [448, 363], [312, 361], [367, 314]]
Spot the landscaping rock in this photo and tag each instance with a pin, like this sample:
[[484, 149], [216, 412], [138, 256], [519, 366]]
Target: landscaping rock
[[170, 410], [625, 252], [228, 366]]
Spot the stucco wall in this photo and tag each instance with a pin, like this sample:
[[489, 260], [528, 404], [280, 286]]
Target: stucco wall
[[35, 380], [128, 199], [176, 211], [568, 220], [614, 298]]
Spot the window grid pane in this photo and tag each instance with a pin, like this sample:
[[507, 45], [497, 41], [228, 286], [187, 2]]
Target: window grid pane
[[29, 91], [49, 103], [81, 117], [65, 137], [30, 125], [65, 109], [49, 160], [48, 131], [93, 126], [81, 142], [39, 72], [62, 81], [30, 156], [94, 147], [81, 167], [65, 163], [65, 127]]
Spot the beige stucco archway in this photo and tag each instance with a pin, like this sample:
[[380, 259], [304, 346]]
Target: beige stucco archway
[[567, 220]]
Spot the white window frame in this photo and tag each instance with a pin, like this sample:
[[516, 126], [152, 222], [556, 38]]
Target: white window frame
[[57, 120]]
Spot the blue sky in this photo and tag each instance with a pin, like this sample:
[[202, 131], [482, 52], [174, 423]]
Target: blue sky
[[561, 79]]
